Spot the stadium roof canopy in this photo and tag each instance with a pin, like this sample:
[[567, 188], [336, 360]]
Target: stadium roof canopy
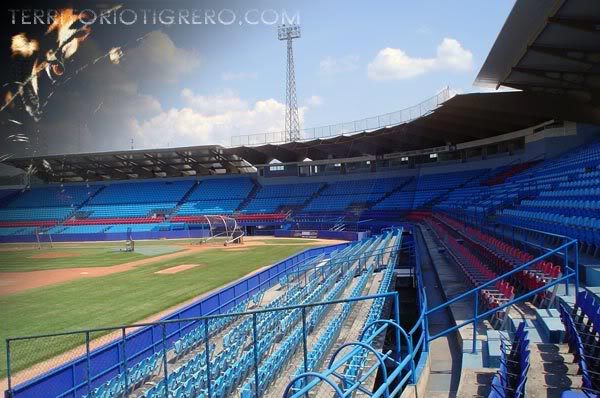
[[548, 46], [460, 119], [120, 165], [549, 49]]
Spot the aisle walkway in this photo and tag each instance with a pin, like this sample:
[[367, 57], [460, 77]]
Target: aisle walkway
[[445, 352]]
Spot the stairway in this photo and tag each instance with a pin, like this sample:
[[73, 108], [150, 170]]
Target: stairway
[[552, 367], [445, 353], [250, 196], [314, 195], [437, 200], [184, 199], [398, 188], [76, 209], [502, 177]]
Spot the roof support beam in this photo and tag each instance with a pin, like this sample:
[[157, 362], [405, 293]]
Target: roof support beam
[[586, 24], [572, 54], [575, 79]]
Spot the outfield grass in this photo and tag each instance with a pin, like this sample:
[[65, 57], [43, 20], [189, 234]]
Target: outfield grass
[[24, 260], [121, 298]]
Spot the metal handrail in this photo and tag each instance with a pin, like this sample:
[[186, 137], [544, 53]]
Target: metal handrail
[[406, 364], [568, 273]]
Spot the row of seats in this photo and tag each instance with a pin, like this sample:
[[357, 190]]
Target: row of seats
[[209, 207], [273, 191], [514, 366], [448, 181], [230, 366], [9, 231], [476, 271], [53, 196], [269, 370], [35, 213], [582, 335], [142, 192], [329, 335], [138, 374], [565, 207], [358, 362], [222, 188], [585, 229], [127, 210], [503, 257], [325, 341], [341, 202], [273, 197]]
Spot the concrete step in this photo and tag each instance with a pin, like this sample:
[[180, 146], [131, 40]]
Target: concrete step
[[470, 359], [530, 325], [493, 354], [552, 371], [550, 325]]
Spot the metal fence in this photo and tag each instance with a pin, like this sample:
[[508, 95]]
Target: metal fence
[[562, 250], [357, 126], [56, 364], [124, 358]]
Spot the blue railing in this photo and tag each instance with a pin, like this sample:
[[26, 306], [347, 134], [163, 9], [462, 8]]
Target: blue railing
[[405, 367], [91, 367], [568, 272], [405, 370], [409, 346]]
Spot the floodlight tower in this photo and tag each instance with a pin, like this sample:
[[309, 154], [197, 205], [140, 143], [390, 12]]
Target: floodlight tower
[[292, 122]]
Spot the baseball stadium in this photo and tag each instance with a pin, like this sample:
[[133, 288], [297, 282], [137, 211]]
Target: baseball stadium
[[448, 249]]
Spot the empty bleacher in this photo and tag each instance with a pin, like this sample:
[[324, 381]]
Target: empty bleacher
[[339, 195], [272, 198], [228, 367], [142, 192], [217, 196], [53, 196]]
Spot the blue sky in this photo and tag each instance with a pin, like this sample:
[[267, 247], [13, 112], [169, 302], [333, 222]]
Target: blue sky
[[198, 84], [347, 36]]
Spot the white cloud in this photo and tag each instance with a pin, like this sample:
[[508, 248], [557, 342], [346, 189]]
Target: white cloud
[[209, 119], [395, 64], [159, 59], [452, 55], [346, 63], [314, 100], [225, 101], [230, 76]]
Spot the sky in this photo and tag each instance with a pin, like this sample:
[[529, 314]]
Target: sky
[[185, 83]]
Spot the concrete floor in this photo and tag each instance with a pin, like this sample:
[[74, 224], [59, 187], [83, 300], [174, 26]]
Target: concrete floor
[[445, 355]]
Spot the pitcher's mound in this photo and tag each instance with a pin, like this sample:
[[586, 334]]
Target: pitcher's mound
[[176, 269], [55, 255]]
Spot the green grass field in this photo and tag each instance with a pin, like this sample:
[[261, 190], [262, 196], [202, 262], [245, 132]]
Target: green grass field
[[17, 261], [121, 298]]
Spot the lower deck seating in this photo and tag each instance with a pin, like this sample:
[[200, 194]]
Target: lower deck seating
[[583, 338], [127, 210], [36, 213], [228, 366], [514, 366], [210, 207]]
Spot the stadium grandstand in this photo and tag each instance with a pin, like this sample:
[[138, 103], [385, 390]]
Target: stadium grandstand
[[466, 260]]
